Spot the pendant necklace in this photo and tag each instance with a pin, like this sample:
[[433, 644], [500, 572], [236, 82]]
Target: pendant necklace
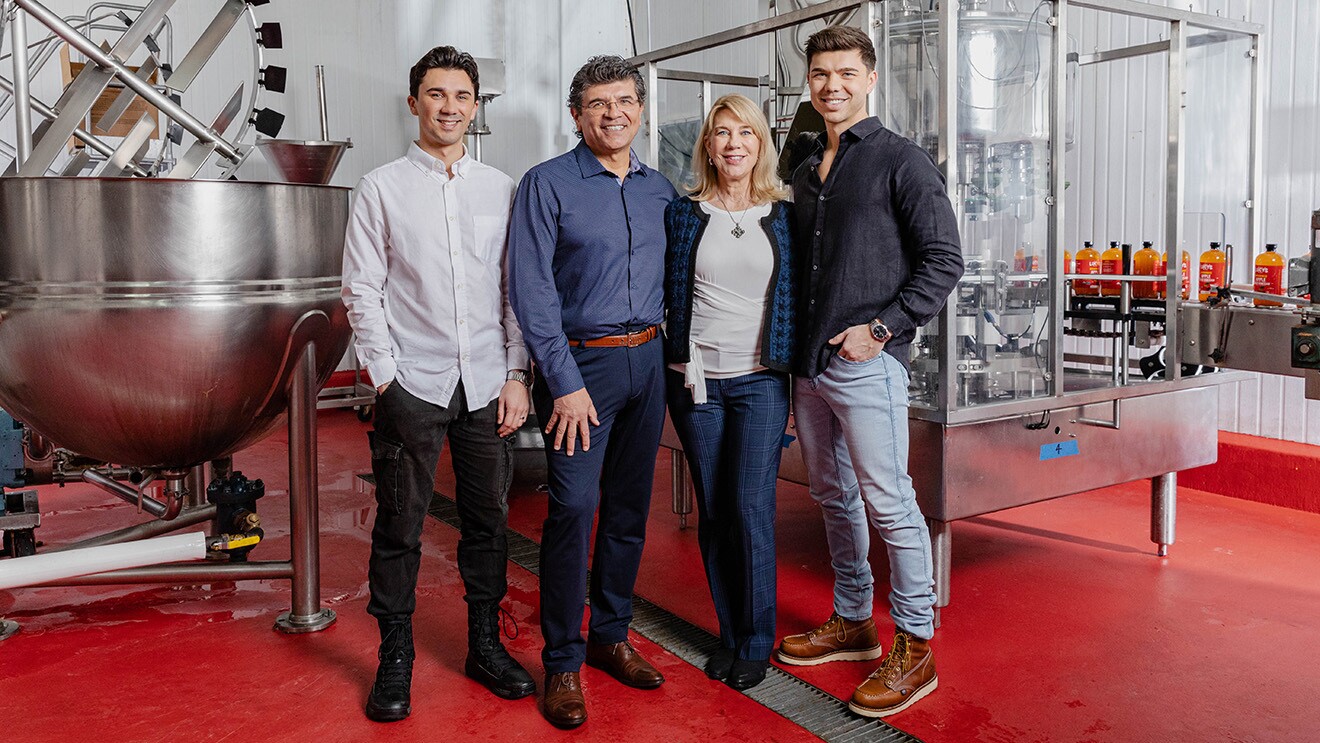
[[737, 230]]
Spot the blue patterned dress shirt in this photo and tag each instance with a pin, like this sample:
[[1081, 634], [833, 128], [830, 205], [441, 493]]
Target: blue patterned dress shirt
[[586, 257]]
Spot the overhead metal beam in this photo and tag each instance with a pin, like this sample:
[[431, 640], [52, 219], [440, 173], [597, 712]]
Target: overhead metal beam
[[746, 31], [1154, 12], [703, 77]]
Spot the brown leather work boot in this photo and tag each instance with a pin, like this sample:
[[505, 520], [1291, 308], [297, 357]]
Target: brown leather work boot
[[837, 639], [908, 674], [565, 707], [624, 663]]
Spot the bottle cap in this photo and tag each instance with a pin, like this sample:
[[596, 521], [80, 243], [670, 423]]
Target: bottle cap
[[1214, 246], [1147, 244], [1271, 247], [1113, 243], [1086, 244]]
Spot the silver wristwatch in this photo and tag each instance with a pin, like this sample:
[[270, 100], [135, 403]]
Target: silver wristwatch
[[880, 331], [520, 375]]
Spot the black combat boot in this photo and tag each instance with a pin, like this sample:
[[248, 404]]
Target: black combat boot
[[390, 698], [487, 660]]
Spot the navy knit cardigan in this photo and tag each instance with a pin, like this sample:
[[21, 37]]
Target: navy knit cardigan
[[685, 222]]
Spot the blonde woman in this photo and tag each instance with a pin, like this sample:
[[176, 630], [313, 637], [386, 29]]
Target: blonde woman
[[730, 301]]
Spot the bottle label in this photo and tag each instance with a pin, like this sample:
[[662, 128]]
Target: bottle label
[[1080, 286], [1110, 266], [1269, 280], [1212, 275]]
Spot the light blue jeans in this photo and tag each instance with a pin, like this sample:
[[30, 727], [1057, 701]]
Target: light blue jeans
[[853, 424]]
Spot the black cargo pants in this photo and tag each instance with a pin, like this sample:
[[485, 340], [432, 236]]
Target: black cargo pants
[[405, 447]]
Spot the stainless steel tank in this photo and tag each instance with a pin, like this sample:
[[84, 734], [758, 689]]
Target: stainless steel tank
[[155, 323]]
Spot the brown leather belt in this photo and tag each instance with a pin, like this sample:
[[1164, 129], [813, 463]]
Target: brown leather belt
[[630, 340]]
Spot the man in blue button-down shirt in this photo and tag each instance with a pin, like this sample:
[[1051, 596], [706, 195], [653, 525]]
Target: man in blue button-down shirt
[[586, 266]]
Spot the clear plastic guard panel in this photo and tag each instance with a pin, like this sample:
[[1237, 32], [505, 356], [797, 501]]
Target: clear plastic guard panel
[[1002, 306], [1217, 178]]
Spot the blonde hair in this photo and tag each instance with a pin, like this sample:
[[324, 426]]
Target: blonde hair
[[766, 185]]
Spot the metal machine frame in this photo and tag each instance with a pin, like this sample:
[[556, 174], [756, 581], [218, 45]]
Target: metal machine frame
[[948, 430]]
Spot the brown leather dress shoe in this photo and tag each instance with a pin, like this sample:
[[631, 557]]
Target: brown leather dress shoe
[[837, 639], [907, 675], [564, 705], [624, 663]]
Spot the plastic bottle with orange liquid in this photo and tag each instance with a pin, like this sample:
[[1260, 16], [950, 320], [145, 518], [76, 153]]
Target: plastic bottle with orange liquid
[[1269, 275], [1145, 262], [1111, 262], [1214, 269], [1163, 270], [1088, 262]]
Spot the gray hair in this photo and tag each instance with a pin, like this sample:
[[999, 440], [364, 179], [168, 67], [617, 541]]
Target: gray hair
[[605, 68]]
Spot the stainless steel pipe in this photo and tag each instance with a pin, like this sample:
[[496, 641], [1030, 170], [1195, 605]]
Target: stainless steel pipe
[[184, 574], [22, 95], [127, 492], [186, 518], [320, 100]]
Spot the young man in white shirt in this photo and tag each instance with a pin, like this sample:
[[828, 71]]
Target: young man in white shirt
[[425, 288]]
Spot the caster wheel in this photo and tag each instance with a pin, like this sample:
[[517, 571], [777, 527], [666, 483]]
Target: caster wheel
[[364, 413]]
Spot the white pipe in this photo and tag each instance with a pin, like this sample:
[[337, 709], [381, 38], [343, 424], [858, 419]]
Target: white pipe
[[26, 571]]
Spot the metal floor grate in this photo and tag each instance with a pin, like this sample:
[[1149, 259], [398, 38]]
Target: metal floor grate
[[783, 693]]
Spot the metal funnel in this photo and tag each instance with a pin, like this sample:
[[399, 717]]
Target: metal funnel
[[304, 161], [155, 322]]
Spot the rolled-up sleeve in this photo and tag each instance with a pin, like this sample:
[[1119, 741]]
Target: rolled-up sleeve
[[533, 235], [363, 287]]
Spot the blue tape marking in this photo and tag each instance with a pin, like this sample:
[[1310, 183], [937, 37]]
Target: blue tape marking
[[1061, 449]]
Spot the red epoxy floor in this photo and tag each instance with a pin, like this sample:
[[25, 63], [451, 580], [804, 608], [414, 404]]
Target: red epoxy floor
[[1063, 627]]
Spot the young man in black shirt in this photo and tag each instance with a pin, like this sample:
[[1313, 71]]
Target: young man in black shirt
[[881, 255]]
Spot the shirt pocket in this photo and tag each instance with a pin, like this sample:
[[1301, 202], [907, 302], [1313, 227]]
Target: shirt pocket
[[489, 233]]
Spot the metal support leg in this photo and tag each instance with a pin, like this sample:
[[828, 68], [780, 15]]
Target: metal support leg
[[941, 548], [195, 486], [1163, 511], [681, 487], [307, 614]]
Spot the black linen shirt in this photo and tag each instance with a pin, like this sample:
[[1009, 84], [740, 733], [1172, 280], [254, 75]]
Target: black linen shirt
[[879, 240]]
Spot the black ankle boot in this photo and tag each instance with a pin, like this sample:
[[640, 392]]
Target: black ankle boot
[[487, 660], [390, 698]]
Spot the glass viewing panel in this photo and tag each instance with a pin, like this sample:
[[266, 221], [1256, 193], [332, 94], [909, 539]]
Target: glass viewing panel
[[1002, 304]]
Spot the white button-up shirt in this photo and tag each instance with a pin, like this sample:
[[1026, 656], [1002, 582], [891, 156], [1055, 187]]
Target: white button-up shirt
[[424, 278]]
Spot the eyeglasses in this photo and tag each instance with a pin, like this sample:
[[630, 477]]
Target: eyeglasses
[[599, 106]]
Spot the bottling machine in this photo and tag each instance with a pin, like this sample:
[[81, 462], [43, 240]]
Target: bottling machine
[[1008, 406]]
